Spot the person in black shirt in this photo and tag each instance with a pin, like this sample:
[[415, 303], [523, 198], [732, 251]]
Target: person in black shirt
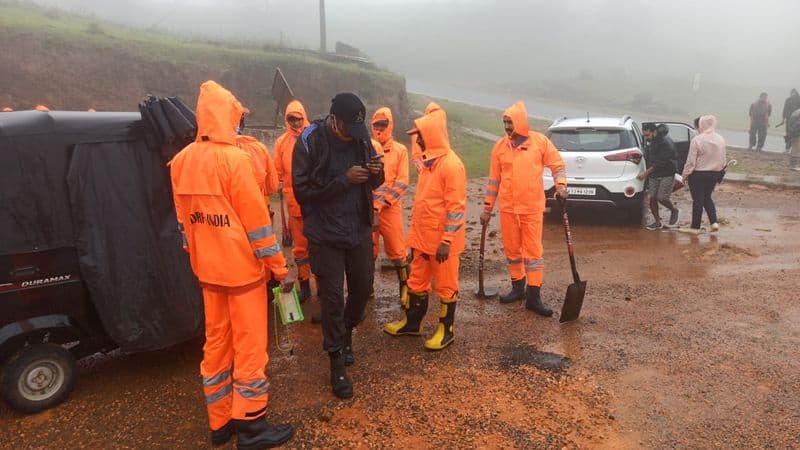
[[334, 170], [660, 173]]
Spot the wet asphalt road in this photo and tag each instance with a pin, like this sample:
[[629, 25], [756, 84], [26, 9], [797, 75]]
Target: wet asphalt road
[[684, 342]]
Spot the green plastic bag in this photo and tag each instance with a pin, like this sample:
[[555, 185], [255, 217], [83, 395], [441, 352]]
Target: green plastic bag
[[288, 305]]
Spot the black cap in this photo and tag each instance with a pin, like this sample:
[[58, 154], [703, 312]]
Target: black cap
[[350, 109]]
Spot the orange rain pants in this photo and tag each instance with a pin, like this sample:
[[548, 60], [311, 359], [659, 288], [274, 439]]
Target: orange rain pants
[[300, 248], [522, 242], [425, 271], [235, 353]]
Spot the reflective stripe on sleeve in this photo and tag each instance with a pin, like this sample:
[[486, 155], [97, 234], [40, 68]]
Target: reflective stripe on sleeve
[[263, 252]]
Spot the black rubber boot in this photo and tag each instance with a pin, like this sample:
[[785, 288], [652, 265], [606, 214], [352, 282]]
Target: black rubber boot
[[443, 336], [305, 290], [340, 382], [402, 279], [412, 323], [517, 292], [347, 350], [257, 434], [534, 302], [223, 435]]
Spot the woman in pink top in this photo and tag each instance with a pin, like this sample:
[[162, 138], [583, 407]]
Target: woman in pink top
[[703, 170]]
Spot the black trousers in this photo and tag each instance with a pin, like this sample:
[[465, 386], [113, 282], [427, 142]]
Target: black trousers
[[758, 135], [701, 185], [332, 266]]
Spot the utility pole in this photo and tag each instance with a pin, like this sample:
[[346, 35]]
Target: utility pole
[[323, 46]]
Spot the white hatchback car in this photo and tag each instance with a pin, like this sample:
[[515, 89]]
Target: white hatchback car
[[604, 156]]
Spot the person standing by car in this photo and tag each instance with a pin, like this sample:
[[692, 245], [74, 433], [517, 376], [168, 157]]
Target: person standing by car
[[515, 179], [389, 198], [437, 234], [703, 170], [793, 128], [227, 231], [759, 122], [791, 105], [334, 170], [660, 173]]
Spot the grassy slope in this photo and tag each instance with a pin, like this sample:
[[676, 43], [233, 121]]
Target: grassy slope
[[57, 57], [474, 151]]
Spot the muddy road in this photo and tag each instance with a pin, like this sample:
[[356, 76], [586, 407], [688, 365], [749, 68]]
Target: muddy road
[[684, 342]]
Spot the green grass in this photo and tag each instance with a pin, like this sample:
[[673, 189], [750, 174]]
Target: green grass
[[53, 25], [474, 151]]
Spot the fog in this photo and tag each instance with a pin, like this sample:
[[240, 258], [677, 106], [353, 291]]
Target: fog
[[739, 47]]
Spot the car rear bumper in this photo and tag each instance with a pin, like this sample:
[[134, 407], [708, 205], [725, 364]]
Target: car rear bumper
[[601, 198]]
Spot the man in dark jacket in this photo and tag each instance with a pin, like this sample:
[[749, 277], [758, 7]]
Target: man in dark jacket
[[334, 170], [660, 173], [759, 122], [791, 105]]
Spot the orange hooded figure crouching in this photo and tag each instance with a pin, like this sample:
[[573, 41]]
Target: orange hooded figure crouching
[[222, 213], [437, 234]]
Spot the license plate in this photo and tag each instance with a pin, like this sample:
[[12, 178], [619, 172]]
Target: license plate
[[581, 190]]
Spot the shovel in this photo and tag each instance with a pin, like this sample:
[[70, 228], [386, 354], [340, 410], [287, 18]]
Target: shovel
[[482, 292], [286, 232], [577, 290]]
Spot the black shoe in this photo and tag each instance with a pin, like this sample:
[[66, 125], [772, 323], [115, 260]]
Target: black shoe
[[534, 302], [349, 359], [340, 382], [305, 290], [258, 434], [517, 292], [223, 435]]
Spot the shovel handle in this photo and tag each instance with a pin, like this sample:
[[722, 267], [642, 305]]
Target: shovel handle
[[484, 227], [568, 234]]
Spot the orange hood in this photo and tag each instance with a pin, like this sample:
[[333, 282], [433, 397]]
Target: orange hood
[[218, 114], [433, 128], [386, 135], [519, 117], [295, 108]]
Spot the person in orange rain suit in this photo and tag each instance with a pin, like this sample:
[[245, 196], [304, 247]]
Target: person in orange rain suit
[[42, 108], [228, 234], [515, 176], [388, 199], [436, 236], [296, 121], [7, 109]]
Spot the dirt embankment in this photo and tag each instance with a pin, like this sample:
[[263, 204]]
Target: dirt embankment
[[73, 64]]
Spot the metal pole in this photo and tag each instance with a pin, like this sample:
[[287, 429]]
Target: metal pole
[[323, 46]]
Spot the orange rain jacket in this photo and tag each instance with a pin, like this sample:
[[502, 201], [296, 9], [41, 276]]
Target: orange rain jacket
[[266, 174], [440, 202], [218, 202], [515, 173], [284, 147], [395, 164]]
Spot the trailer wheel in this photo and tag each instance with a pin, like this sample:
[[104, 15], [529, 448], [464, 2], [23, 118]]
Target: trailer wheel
[[38, 377]]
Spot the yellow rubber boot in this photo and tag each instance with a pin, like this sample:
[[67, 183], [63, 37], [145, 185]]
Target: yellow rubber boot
[[411, 324], [443, 336], [402, 278]]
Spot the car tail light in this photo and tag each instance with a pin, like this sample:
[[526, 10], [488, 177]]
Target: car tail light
[[634, 156], [630, 191]]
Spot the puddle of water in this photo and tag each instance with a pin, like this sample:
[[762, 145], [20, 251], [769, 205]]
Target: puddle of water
[[526, 355]]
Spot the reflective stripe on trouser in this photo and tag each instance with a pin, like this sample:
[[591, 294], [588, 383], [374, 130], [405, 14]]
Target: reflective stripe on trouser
[[300, 248], [522, 242], [425, 271], [236, 336], [391, 228]]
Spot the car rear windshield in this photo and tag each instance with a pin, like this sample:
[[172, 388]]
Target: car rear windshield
[[592, 140]]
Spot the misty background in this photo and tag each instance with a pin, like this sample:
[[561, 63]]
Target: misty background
[[668, 59]]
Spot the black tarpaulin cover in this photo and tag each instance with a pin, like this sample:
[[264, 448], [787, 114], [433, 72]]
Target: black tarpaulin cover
[[130, 254], [89, 181]]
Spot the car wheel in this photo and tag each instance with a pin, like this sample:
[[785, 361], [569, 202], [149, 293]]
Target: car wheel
[[635, 214], [38, 377]]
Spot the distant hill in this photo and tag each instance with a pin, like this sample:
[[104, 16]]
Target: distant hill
[[74, 63]]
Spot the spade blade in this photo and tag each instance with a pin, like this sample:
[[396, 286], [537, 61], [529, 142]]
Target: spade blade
[[573, 302]]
